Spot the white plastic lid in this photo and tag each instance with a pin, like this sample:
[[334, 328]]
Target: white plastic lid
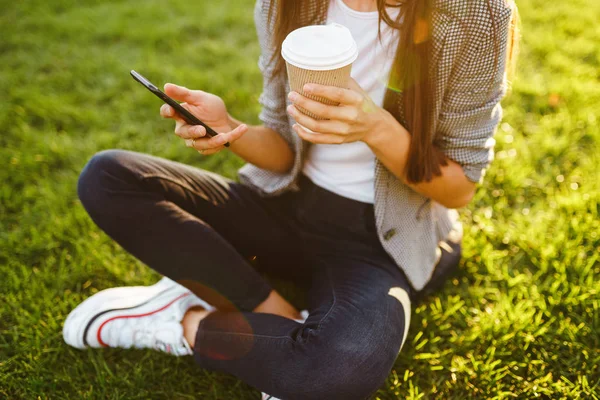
[[320, 47]]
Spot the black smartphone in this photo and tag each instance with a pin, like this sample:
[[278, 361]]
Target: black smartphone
[[185, 114]]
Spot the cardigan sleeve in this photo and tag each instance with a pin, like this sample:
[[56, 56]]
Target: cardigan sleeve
[[273, 97], [471, 109]]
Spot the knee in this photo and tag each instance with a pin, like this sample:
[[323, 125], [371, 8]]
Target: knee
[[94, 178], [349, 372]]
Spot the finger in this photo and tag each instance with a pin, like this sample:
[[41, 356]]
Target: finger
[[211, 151], [166, 111], [349, 114], [205, 144], [190, 131], [182, 93], [318, 138], [181, 128], [171, 113], [206, 152], [236, 133], [324, 126], [336, 94]]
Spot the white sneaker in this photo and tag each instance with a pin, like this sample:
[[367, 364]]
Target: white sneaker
[[135, 316], [303, 315]]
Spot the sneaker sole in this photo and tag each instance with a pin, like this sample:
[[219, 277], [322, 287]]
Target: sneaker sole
[[114, 299]]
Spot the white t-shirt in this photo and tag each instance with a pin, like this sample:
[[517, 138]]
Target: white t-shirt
[[349, 169]]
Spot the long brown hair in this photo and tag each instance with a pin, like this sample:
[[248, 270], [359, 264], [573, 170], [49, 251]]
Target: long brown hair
[[409, 76]]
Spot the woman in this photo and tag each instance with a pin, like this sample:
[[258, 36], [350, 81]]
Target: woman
[[360, 212]]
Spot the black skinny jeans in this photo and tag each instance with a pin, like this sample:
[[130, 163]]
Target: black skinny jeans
[[201, 230]]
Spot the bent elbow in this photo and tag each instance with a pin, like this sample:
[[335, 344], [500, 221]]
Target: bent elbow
[[460, 201], [466, 200], [285, 165], [282, 169]]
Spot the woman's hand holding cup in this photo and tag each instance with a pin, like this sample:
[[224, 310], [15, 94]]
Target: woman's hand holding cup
[[329, 107], [355, 118], [211, 110]]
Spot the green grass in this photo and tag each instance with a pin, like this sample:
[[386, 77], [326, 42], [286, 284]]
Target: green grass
[[521, 320]]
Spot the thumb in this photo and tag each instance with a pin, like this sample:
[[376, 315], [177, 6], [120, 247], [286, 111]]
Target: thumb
[[182, 93]]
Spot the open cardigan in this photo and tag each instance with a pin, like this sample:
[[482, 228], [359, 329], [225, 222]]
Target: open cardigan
[[468, 63]]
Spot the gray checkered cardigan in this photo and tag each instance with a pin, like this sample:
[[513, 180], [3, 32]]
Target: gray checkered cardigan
[[468, 68]]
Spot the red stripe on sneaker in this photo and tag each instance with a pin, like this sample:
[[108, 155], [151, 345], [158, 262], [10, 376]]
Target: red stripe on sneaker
[[135, 316]]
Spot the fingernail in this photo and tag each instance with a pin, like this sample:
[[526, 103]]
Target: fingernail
[[292, 96], [290, 109], [308, 88]]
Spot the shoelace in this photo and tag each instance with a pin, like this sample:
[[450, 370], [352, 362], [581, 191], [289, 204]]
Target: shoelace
[[143, 333]]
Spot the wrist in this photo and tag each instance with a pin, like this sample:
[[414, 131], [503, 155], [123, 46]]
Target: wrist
[[386, 130], [390, 141]]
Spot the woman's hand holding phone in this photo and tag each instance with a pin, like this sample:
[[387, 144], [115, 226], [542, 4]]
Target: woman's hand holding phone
[[210, 109]]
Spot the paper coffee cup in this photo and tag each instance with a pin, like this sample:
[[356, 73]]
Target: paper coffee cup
[[320, 54]]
